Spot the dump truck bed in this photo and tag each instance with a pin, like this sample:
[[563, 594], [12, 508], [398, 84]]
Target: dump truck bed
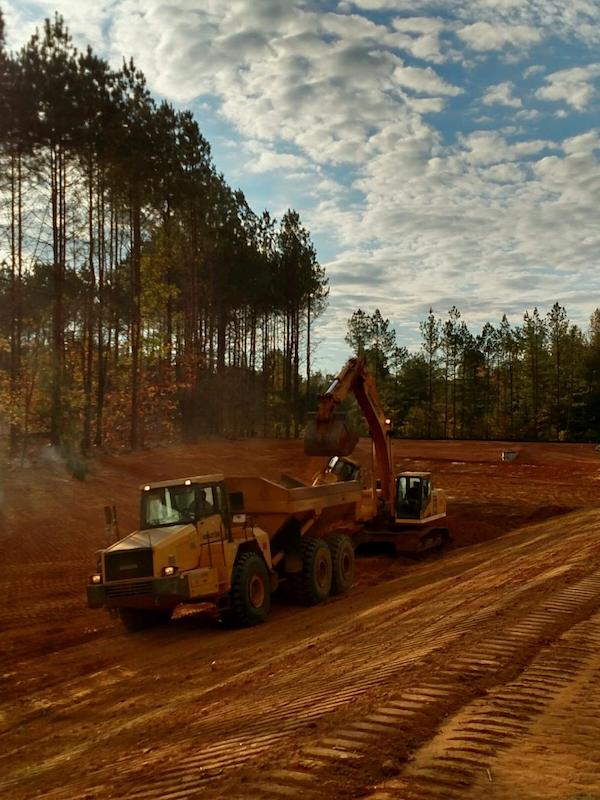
[[318, 508]]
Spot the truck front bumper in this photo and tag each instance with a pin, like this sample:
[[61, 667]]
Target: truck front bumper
[[193, 586]]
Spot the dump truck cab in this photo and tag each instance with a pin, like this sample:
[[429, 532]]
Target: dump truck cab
[[169, 504], [185, 551]]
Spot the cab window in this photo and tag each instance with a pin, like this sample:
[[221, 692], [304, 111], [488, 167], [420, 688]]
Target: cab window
[[219, 498], [207, 502], [408, 496], [168, 505]]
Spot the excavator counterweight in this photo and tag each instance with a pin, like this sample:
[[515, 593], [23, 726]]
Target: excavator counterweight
[[330, 437]]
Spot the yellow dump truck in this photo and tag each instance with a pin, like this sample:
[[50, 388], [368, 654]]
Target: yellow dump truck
[[228, 542]]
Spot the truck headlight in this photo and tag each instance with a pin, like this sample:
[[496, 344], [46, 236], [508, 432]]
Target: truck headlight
[[168, 572], [96, 578]]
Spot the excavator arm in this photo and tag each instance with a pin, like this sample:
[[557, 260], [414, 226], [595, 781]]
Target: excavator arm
[[326, 432]]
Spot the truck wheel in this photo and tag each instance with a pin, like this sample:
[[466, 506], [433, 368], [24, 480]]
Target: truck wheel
[[138, 619], [342, 562], [250, 592], [312, 584]]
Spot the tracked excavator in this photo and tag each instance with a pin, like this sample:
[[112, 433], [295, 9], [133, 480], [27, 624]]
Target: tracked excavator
[[402, 509]]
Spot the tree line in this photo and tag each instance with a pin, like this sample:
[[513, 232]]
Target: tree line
[[539, 380], [140, 296]]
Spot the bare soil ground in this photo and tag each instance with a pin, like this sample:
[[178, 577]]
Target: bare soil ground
[[473, 672]]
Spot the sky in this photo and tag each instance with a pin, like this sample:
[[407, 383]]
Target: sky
[[440, 153]]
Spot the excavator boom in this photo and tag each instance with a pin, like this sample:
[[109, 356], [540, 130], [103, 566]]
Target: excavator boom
[[327, 434]]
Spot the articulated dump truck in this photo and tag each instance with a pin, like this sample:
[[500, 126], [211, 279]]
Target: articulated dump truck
[[228, 542]]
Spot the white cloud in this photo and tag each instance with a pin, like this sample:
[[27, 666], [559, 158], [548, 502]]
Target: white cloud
[[421, 37], [501, 94], [505, 173], [573, 86], [422, 25], [534, 69], [492, 220], [575, 19], [585, 143], [425, 81], [486, 147], [487, 36], [265, 160], [527, 115]]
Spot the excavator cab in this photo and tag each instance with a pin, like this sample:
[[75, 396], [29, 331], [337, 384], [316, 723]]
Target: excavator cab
[[413, 491]]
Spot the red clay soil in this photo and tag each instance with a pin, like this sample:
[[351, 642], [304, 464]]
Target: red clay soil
[[473, 671]]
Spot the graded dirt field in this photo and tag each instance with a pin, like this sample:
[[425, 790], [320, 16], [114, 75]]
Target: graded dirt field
[[474, 672]]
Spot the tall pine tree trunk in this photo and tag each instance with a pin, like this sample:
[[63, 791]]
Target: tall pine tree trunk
[[296, 375], [57, 203], [101, 360], [16, 278], [88, 330], [136, 321]]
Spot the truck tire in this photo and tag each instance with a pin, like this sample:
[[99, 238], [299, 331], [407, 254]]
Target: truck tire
[[342, 562], [312, 584], [250, 594], [139, 619]]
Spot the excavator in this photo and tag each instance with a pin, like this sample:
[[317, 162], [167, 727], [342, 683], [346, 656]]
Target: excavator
[[401, 509]]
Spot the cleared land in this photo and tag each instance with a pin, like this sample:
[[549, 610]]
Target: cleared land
[[474, 672]]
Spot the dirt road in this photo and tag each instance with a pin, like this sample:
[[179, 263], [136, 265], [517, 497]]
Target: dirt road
[[474, 672]]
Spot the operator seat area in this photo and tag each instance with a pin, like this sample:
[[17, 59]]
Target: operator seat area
[[409, 495]]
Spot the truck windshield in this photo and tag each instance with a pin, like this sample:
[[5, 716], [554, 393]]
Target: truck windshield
[[168, 505]]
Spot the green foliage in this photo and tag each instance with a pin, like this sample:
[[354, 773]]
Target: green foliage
[[540, 380], [373, 338], [141, 298]]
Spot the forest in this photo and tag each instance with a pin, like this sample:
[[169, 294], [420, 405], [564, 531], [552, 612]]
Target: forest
[[539, 380], [141, 298], [143, 301]]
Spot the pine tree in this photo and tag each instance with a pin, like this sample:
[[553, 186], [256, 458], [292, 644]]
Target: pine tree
[[431, 333]]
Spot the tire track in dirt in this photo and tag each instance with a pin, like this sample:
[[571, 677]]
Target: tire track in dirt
[[212, 743], [461, 760], [485, 729], [360, 741]]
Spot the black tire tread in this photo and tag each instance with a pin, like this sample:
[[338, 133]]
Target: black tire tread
[[302, 583], [239, 613], [338, 542]]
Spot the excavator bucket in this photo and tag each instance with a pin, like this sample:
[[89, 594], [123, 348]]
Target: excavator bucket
[[331, 438]]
